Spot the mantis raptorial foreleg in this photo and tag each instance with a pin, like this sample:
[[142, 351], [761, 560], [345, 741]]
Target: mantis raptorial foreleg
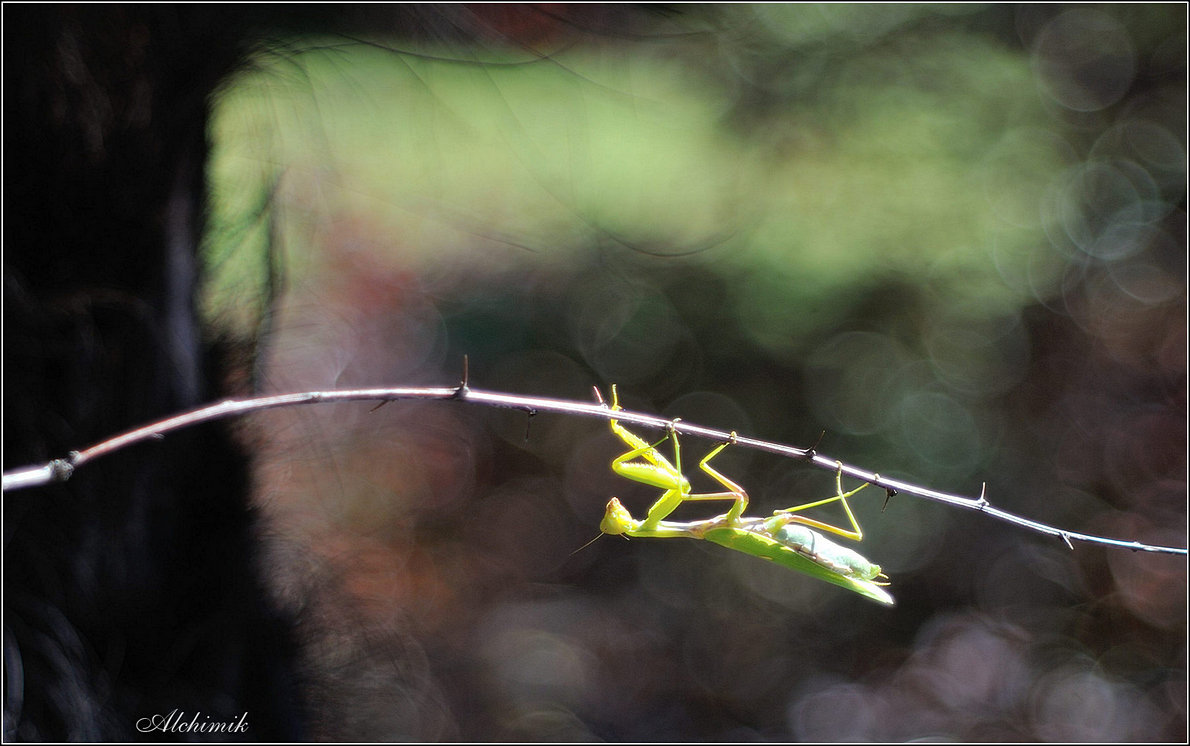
[[657, 471]]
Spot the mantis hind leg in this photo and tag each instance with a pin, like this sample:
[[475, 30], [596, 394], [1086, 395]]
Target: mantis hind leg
[[856, 534]]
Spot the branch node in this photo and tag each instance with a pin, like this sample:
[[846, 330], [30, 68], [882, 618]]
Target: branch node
[[62, 469]]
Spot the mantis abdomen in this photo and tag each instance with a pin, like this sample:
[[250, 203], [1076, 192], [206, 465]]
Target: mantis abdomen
[[825, 552]]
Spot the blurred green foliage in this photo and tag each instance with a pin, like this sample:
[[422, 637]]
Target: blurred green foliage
[[951, 236]]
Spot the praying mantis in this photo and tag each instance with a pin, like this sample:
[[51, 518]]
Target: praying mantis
[[784, 537]]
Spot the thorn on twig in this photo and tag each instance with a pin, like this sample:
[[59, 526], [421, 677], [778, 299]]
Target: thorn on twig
[[888, 491], [531, 413], [378, 406], [1066, 538], [982, 502], [599, 397], [461, 391], [812, 451]]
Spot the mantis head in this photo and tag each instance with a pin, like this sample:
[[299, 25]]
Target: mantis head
[[617, 519]]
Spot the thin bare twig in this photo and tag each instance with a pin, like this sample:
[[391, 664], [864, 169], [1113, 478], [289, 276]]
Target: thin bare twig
[[60, 470]]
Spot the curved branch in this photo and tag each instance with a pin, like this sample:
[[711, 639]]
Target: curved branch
[[60, 470]]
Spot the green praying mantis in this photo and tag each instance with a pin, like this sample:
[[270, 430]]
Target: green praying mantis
[[785, 538]]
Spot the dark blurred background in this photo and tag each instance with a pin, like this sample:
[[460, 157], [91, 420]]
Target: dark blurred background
[[952, 237]]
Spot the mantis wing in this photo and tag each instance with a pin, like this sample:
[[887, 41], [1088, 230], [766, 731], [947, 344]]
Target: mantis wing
[[751, 542]]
